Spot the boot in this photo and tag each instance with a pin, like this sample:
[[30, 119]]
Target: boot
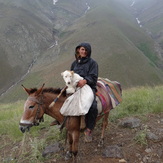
[[88, 135]]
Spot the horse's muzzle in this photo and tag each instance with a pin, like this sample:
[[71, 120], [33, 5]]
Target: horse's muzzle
[[26, 127], [23, 129]]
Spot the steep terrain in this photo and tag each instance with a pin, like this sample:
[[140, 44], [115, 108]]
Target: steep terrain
[[149, 16], [23, 37], [28, 29], [42, 36]]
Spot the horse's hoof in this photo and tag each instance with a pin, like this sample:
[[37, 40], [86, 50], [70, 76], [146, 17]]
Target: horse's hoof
[[68, 155], [101, 143]]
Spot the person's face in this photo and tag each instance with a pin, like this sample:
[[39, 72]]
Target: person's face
[[82, 52]]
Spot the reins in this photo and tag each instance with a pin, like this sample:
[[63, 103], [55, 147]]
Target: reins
[[38, 112]]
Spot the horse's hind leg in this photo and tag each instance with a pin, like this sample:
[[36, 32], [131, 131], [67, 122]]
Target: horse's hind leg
[[104, 125]]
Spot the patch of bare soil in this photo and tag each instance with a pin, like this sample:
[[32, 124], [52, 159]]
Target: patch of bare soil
[[122, 137]]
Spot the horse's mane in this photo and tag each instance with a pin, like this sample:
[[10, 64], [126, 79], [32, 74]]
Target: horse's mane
[[52, 90], [48, 90], [32, 90]]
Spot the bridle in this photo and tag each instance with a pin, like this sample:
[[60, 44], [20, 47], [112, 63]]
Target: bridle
[[36, 119]]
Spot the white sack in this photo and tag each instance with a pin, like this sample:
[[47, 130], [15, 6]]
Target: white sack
[[78, 103]]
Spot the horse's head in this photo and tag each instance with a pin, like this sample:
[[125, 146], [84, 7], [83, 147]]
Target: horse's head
[[33, 109]]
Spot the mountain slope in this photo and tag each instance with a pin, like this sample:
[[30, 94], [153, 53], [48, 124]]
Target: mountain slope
[[28, 29], [150, 17], [117, 45], [23, 37]]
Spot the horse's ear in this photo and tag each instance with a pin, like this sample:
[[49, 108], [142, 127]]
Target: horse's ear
[[27, 90], [40, 89]]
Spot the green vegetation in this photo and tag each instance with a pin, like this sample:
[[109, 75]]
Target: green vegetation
[[136, 102], [144, 47], [139, 101], [141, 138]]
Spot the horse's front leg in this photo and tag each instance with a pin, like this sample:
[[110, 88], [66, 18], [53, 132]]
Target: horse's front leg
[[75, 135], [69, 155], [104, 125]]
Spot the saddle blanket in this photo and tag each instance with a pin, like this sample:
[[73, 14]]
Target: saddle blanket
[[113, 89]]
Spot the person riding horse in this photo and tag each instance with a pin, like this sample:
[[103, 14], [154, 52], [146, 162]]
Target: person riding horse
[[87, 68]]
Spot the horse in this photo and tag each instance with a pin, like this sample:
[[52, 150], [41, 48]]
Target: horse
[[37, 104]]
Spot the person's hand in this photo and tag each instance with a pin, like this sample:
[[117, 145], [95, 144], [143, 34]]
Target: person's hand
[[81, 83]]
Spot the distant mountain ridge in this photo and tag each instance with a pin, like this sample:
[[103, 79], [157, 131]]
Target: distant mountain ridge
[[46, 35]]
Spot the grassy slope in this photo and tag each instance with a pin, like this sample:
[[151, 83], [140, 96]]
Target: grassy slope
[[136, 102], [151, 17], [114, 40], [114, 36]]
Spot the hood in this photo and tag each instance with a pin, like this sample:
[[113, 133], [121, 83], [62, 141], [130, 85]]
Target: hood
[[87, 46]]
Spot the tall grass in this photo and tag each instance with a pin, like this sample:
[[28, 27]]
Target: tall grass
[[25, 147], [9, 120], [139, 101]]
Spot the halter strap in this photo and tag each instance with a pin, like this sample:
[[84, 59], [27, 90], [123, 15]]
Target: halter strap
[[38, 109], [34, 100]]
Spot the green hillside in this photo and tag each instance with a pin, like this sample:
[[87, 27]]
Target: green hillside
[[150, 15], [122, 49]]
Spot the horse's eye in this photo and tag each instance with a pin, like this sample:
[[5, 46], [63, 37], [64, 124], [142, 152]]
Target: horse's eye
[[31, 107]]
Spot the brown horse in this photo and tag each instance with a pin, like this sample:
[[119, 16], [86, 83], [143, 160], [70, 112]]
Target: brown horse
[[37, 104]]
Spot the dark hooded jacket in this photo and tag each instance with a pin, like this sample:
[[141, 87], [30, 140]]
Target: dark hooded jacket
[[86, 67]]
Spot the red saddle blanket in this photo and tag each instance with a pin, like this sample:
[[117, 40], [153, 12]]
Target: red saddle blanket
[[109, 92]]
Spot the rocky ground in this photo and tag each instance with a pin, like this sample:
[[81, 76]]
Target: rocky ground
[[129, 140]]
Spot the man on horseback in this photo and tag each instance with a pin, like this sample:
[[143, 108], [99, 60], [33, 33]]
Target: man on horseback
[[86, 67]]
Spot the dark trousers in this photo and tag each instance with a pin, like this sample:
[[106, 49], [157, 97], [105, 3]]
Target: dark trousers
[[90, 118]]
